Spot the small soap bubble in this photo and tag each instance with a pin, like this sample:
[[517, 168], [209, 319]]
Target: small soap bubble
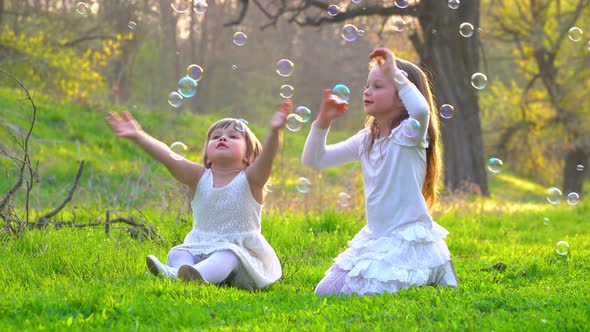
[[294, 122], [234, 67], [350, 32], [344, 199], [398, 24], [356, 1], [562, 248], [132, 25], [333, 10], [240, 38], [287, 91], [554, 195], [180, 6], [573, 198], [304, 113], [466, 29], [479, 81], [454, 4], [187, 87], [240, 125], [178, 150], [341, 91], [303, 185], [285, 67], [200, 6], [82, 8], [175, 99], [411, 128], [580, 168], [361, 33], [446, 111], [546, 221], [495, 165], [402, 3], [195, 72], [575, 34]]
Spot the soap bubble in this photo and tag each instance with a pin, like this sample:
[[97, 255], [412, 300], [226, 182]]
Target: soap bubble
[[466, 29], [479, 81], [195, 72], [287, 91], [562, 248], [304, 113], [411, 128], [344, 199], [554, 195], [350, 32], [187, 87], [446, 111], [575, 34], [495, 165], [178, 150], [240, 38], [333, 10], [341, 91], [303, 185], [132, 25], [175, 99], [285, 67], [454, 4], [200, 6], [402, 3], [573, 198], [294, 122], [82, 8]]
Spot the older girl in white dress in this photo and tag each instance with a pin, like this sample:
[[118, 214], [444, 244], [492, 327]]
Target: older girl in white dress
[[225, 244], [399, 150]]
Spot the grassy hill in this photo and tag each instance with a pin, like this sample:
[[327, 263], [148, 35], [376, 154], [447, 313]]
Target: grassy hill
[[82, 279]]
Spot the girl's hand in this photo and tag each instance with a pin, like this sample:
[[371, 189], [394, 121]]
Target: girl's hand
[[126, 126], [331, 108], [385, 58], [280, 118]]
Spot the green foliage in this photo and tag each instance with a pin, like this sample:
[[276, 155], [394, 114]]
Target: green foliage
[[50, 66]]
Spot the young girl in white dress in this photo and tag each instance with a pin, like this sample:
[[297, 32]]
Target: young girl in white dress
[[225, 244], [400, 246]]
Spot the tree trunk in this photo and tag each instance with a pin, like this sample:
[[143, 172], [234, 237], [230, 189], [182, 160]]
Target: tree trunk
[[573, 178], [451, 60]]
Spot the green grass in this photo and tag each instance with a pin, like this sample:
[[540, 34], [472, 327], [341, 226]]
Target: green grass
[[80, 279]]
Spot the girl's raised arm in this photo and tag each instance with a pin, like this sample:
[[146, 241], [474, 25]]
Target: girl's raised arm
[[183, 170], [259, 172]]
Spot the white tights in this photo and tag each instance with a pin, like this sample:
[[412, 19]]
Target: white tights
[[214, 268]]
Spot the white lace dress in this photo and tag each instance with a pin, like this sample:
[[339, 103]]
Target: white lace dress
[[228, 218], [401, 245]]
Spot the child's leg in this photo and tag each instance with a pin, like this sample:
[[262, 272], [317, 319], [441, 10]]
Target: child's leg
[[177, 258], [332, 283], [218, 266]]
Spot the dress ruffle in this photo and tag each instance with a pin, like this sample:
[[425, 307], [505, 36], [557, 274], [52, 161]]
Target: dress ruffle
[[260, 266], [413, 254]]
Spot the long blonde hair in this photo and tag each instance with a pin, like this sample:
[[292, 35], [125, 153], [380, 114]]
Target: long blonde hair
[[434, 163], [253, 145]]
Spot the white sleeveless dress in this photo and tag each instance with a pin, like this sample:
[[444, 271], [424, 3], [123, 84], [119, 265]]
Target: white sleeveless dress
[[228, 218]]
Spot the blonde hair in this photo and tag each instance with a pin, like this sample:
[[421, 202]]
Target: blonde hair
[[253, 145], [434, 162]]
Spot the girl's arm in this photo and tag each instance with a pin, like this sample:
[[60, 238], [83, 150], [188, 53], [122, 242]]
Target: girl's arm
[[183, 170], [315, 152], [259, 172], [413, 100]]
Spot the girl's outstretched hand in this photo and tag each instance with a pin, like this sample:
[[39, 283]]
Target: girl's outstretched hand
[[385, 58], [332, 107], [280, 118], [125, 126]]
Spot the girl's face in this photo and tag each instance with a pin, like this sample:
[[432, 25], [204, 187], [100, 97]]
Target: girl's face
[[380, 97], [227, 148]]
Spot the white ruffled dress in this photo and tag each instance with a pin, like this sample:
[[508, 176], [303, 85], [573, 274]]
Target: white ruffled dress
[[228, 218], [401, 246]]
